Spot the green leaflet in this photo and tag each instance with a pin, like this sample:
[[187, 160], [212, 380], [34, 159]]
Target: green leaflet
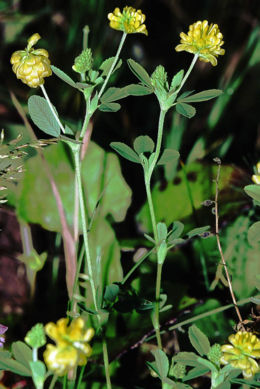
[[199, 340], [63, 76], [186, 110], [139, 72], [143, 144], [42, 115], [168, 156], [125, 151], [202, 96], [109, 107], [253, 191]]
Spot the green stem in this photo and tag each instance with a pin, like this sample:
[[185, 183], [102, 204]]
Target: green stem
[[157, 304], [113, 64], [188, 72], [35, 354], [53, 381], [52, 109], [106, 363], [76, 151], [86, 120], [148, 174]]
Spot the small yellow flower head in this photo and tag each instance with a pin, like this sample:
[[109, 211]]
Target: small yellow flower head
[[72, 348], [129, 21], [242, 353], [31, 66], [256, 177], [204, 40]]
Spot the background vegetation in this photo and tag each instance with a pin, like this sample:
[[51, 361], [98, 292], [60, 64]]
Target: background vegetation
[[227, 128]]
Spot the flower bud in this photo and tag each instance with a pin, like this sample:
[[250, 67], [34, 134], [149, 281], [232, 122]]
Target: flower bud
[[83, 62]]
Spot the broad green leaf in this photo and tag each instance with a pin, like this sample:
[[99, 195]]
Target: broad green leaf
[[125, 151], [162, 362], [197, 231], [187, 358], [109, 107], [162, 231], [202, 96], [137, 90], [253, 191], [42, 115], [254, 234], [103, 185], [176, 80], [168, 156], [102, 181], [243, 259], [63, 76], [186, 110], [173, 202], [22, 353], [38, 373], [139, 72], [10, 364], [143, 144], [199, 340], [176, 231]]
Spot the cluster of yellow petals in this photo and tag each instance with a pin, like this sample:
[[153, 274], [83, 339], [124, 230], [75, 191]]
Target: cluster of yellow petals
[[242, 353], [71, 349], [129, 20], [31, 66], [256, 177], [204, 40]]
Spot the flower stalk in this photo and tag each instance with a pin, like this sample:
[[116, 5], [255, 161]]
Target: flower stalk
[[123, 38], [52, 109]]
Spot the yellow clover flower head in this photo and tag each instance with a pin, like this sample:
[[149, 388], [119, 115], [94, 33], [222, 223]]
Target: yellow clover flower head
[[204, 40], [30, 65], [256, 177], [129, 20], [243, 352], [71, 349]]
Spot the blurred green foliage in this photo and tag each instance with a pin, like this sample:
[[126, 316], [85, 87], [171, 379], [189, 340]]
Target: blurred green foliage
[[227, 128]]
